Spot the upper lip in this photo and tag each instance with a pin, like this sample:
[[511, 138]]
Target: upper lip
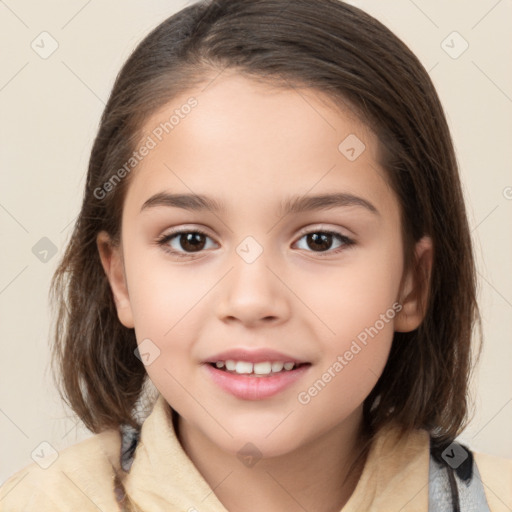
[[253, 356]]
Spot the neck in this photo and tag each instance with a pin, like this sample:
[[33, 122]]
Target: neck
[[315, 476]]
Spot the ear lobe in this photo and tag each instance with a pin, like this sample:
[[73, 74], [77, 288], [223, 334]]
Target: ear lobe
[[112, 262], [414, 292]]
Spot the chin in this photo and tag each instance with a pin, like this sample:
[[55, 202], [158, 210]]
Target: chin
[[255, 446], [265, 436]]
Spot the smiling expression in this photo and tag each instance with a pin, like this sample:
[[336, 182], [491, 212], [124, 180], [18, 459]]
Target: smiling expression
[[251, 238]]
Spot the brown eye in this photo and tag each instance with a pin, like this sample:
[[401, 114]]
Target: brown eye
[[322, 241], [184, 243], [192, 242]]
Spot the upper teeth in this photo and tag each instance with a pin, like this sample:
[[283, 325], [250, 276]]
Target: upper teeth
[[263, 368]]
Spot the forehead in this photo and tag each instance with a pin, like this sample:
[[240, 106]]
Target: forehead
[[247, 142]]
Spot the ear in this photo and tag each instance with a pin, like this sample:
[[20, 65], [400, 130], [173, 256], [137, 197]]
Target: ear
[[112, 260], [415, 286]]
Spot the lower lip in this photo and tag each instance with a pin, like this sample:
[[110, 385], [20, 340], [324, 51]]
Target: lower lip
[[249, 387]]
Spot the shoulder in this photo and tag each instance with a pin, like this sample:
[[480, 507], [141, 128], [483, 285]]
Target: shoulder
[[80, 478], [496, 475]]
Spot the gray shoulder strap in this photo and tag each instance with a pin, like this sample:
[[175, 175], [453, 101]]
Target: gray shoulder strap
[[129, 440], [455, 484]]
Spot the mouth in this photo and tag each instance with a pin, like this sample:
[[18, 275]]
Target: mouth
[[261, 369], [254, 381]]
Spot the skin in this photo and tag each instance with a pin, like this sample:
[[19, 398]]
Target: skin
[[251, 146]]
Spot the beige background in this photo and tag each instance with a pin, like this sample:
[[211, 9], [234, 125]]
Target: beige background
[[50, 111]]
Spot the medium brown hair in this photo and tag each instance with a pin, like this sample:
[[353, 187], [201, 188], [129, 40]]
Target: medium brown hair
[[347, 55]]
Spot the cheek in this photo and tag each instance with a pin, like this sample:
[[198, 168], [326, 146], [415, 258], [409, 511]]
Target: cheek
[[352, 297], [357, 307], [342, 385], [170, 304], [355, 353], [166, 302], [353, 359], [163, 295]]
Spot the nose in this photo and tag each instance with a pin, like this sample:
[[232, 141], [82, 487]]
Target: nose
[[253, 293]]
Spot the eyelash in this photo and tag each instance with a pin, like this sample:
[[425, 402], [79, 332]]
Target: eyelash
[[165, 239]]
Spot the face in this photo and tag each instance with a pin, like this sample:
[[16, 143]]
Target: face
[[269, 276]]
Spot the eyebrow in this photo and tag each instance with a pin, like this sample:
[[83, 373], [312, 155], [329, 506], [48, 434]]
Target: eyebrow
[[295, 204]]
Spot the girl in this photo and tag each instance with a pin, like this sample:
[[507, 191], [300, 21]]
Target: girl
[[268, 297]]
